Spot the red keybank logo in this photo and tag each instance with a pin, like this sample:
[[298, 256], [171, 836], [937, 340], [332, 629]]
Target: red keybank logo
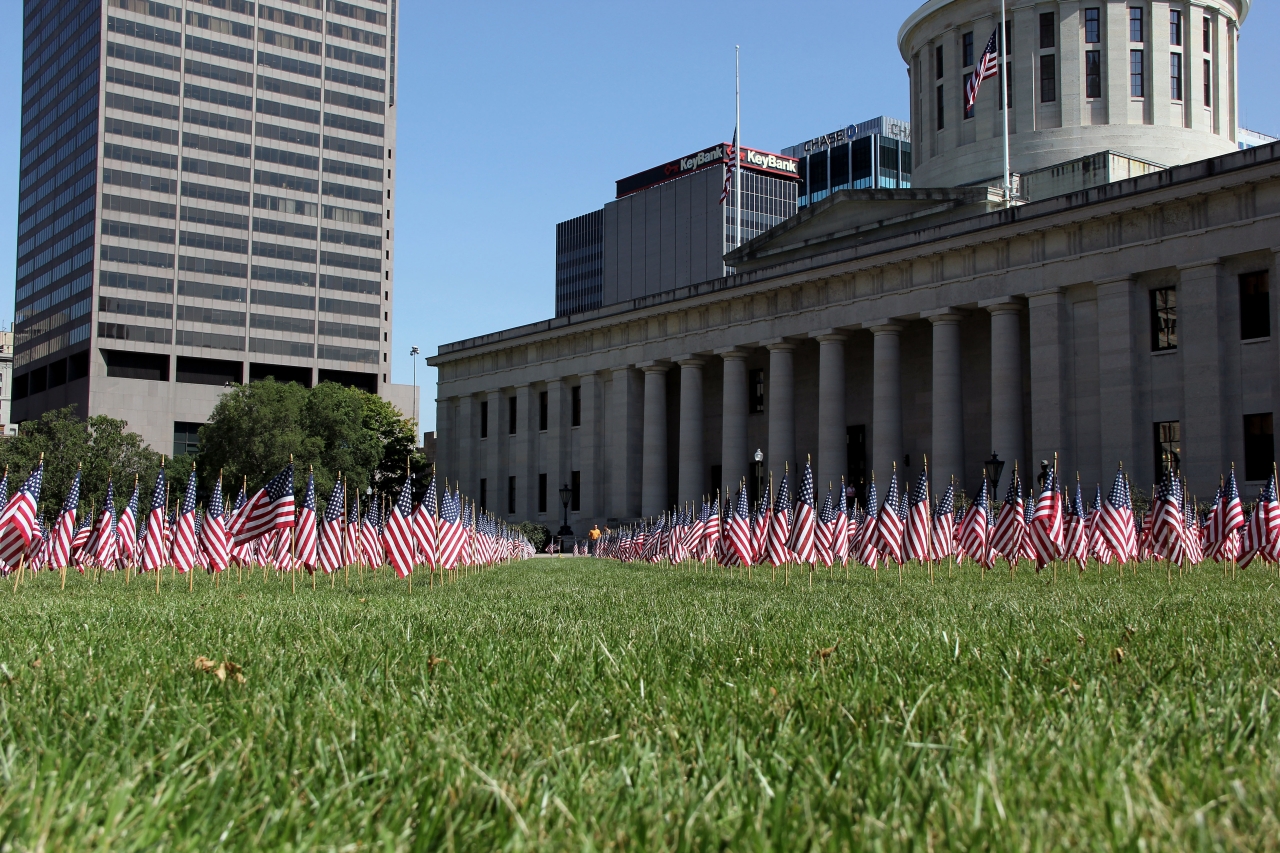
[[756, 160]]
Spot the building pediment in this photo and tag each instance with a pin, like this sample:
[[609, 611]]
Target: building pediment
[[856, 217]]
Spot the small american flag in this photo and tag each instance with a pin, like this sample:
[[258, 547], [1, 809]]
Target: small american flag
[[184, 531], [127, 528], [214, 531], [803, 528], [740, 528], [154, 552], [426, 526], [780, 525], [1011, 526], [398, 537], [1046, 527], [988, 66], [64, 528], [889, 526], [1117, 522], [919, 521], [18, 522], [270, 509], [306, 532], [825, 534], [868, 554], [973, 529], [331, 532], [944, 525]]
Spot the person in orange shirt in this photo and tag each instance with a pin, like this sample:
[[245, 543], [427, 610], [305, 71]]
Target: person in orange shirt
[[594, 536]]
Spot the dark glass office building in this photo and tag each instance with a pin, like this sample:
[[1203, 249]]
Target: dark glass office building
[[579, 263], [874, 154]]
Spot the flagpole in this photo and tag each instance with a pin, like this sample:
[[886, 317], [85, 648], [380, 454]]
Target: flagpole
[[1004, 102], [737, 148]]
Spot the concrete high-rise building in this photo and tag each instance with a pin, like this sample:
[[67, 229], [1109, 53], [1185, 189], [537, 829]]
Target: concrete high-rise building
[[206, 198], [667, 227]]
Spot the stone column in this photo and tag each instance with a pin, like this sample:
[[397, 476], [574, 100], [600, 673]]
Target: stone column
[[556, 461], [1118, 313], [733, 443], [494, 470], [692, 470], [781, 406], [833, 433], [1050, 432], [1007, 432], [625, 438], [1212, 420], [653, 481], [886, 399], [947, 459], [522, 454], [446, 438], [468, 430], [589, 450]]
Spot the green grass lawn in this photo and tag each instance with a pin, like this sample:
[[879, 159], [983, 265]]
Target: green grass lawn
[[572, 704]]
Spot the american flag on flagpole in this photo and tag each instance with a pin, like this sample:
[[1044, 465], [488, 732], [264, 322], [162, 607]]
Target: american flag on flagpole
[[780, 525], [731, 165], [331, 558], [988, 67], [184, 531], [804, 524], [889, 524], [426, 526], [398, 537], [17, 523], [127, 529], [1116, 522], [64, 528], [1046, 527], [154, 554], [214, 531], [305, 535], [270, 509], [975, 527], [919, 525]]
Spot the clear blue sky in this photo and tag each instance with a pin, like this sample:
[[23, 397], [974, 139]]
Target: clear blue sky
[[516, 116]]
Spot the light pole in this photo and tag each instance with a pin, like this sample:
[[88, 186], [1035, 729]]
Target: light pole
[[566, 495], [413, 354]]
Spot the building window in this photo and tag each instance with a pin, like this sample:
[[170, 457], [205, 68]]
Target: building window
[[1048, 78], [937, 63], [1208, 83], [1048, 31], [757, 392], [1168, 448], [1175, 28], [1007, 46], [968, 49], [1259, 446], [1175, 76], [1207, 34], [964, 94], [1135, 24], [1093, 26], [542, 493], [575, 485], [542, 412], [484, 494], [186, 438], [942, 123], [1164, 319], [1255, 306], [1137, 86], [1093, 74], [1008, 85], [575, 396], [511, 416], [511, 496], [484, 418]]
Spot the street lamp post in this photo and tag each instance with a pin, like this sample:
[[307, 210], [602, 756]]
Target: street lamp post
[[993, 468], [566, 495], [413, 355]]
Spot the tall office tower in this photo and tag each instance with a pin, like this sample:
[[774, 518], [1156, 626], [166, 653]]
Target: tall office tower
[[206, 198], [870, 155]]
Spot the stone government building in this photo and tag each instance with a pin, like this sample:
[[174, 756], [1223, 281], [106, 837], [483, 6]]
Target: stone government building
[[1128, 321]]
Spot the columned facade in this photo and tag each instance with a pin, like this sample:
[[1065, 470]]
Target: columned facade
[[1135, 327]]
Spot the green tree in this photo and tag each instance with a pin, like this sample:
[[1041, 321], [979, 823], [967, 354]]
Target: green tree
[[101, 446]]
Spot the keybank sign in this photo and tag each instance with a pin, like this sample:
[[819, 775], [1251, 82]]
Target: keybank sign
[[702, 158], [772, 162]]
